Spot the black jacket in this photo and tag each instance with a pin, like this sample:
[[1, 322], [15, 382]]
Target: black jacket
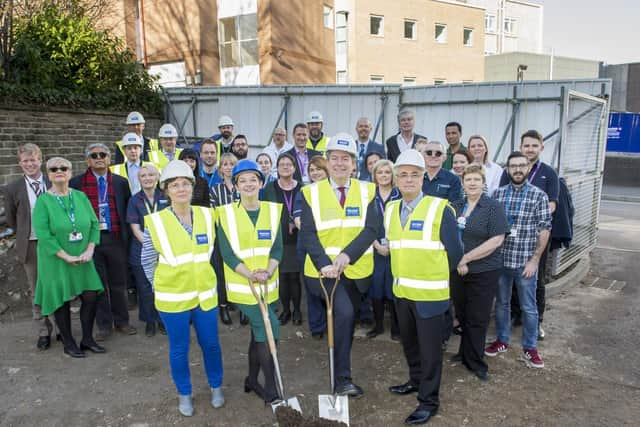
[[297, 175], [562, 229], [392, 146]]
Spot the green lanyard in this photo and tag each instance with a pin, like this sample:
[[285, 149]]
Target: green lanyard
[[71, 212]]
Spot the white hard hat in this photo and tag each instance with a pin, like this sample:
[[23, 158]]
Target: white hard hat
[[225, 121], [134, 118], [343, 142], [167, 130], [131, 139], [410, 157], [176, 169], [315, 117]]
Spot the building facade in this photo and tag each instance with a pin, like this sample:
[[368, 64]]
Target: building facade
[[625, 89], [506, 66]]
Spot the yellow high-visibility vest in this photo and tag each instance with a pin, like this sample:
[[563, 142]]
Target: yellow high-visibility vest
[[252, 244], [159, 160], [336, 226], [419, 262], [184, 277], [121, 170], [153, 145], [322, 144]]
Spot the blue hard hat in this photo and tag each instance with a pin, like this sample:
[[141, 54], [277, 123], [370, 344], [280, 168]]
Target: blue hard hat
[[246, 165]]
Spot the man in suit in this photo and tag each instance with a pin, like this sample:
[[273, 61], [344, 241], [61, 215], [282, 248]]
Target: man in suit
[[301, 153], [406, 138], [366, 146], [19, 201], [135, 123], [109, 195]]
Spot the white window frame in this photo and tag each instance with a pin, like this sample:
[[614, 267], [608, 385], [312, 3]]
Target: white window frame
[[342, 77], [327, 16], [490, 18], [381, 32], [510, 26], [415, 29], [236, 44], [469, 42], [443, 36]]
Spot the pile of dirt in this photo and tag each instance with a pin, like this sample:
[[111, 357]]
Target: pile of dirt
[[288, 417]]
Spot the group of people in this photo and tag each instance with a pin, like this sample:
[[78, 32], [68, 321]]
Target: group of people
[[433, 232]]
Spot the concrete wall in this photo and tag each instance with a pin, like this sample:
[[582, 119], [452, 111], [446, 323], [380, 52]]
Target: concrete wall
[[503, 67], [395, 57], [58, 132], [619, 74], [633, 92]]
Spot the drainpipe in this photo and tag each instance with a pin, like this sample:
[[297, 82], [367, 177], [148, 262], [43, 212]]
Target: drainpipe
[[143, 34]]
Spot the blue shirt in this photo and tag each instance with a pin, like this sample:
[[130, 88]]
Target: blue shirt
[[445, 185]]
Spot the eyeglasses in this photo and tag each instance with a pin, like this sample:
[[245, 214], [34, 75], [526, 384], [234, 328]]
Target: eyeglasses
[[98, 155], [433, 153], [521, 166], [58, 168]]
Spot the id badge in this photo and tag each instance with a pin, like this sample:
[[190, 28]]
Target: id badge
[[513, 232], [75, 236], [102, 215]]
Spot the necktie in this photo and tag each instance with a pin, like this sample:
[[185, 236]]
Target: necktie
[[361, 158], [36, 188], [343, 195]]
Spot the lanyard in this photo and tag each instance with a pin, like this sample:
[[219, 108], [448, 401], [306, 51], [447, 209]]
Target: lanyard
[[534, 171], [512, 217], [102, 197], [71, 212], [288, 201], [150, 208]]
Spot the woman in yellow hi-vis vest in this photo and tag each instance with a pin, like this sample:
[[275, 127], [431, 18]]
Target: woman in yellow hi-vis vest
[[175, 256], [251, 247]]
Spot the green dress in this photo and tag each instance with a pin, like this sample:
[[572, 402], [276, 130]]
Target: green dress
[[59, 281]]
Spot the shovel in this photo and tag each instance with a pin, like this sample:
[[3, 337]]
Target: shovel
[[291, 402], [332, 406]]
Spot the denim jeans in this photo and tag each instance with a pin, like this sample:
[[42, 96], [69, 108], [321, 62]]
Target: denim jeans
[[527, 296]]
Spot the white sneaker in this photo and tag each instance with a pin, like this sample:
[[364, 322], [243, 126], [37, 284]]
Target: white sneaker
[[185, 405], [217, 398], [541, 333]]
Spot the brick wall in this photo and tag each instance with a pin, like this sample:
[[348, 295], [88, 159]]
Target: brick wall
[[59, 132]]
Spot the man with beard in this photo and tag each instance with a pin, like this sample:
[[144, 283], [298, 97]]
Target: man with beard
[[453, 132], [240, 147], [317, 139], [529, 217], [225, 126]]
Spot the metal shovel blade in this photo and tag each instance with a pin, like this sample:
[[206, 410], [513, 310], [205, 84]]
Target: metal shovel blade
[[291, 402], [334, 407]]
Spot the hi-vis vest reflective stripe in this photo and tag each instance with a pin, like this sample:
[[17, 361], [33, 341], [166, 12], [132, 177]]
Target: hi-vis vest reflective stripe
[[121, 170], [153, 145], [419, 262], [337, 227], [158, 158], [184, 277], [322, 144], [252, 244]]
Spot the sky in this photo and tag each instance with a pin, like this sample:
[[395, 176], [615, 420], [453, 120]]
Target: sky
[[602, 30]]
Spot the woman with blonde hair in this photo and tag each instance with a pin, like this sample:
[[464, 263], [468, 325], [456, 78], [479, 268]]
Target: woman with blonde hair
[[479, 149]]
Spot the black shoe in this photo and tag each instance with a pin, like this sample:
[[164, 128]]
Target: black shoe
[[374, 332], [420, 416], [44, 342], [366, 323], [317, 335], [244, 320], [74, 351], [58, 337], [284, 317], [297, 318], [224, 315], [162, 329], [482, 375], [349, 389], [150, 329], [395, 336], [402, 389], [456, 358], [457, 330], [92, 347]]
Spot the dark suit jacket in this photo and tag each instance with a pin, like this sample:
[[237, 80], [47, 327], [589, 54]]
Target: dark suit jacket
[[392, 146], [144, 155], [372, 147], [312, 153], [121, 192], [18, 213]]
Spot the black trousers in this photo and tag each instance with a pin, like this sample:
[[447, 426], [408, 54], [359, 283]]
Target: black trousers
[[290, 291], [422, 345], [541, 291], [345, 307], [473, 296], [110, 258]]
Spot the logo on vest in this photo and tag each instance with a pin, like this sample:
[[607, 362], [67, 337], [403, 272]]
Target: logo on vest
[[416, 225], [202, 239], [352, 211], [264, 234]]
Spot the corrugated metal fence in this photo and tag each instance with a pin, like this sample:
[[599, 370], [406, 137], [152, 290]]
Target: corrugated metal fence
[[570, 113]]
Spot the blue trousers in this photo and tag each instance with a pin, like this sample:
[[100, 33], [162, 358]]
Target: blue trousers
[[146, 307], [179, 334], [316, 310]]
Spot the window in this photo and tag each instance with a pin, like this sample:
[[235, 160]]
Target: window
[[409, 81], [490, 22], [441, 33], [376, 79], [438, 82], [410, 29], [327, 13], [510, 26], [238, 41], [376, 25], [467, 36], [341, 77]]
